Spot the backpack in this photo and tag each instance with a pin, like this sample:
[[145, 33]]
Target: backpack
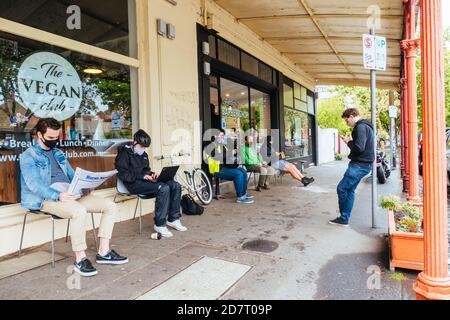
[[190, 207]]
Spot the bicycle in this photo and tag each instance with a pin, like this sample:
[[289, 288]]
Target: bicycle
[[195, 181]]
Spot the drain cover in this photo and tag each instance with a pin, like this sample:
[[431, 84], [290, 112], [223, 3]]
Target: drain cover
[[260, 245]]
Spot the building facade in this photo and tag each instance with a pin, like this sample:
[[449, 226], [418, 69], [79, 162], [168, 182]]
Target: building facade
[[158, 65]]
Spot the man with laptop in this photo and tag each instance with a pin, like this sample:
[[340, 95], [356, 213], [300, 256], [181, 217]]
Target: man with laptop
[[134, 171]]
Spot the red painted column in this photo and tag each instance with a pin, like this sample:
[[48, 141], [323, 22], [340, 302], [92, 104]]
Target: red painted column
[[410, 47], [404, 137], [433, 282]]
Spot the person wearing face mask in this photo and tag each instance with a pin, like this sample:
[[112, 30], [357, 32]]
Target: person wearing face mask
[[224, 164], [133, 168], [43, 165]]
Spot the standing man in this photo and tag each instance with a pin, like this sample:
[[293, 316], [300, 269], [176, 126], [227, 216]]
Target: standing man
[[361, 155], [43, 165], [134, 170]]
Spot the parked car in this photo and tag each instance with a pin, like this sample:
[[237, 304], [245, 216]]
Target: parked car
[[447, 134]]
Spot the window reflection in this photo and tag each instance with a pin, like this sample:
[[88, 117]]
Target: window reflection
[[298, 136], [90, 138], [235, 108]]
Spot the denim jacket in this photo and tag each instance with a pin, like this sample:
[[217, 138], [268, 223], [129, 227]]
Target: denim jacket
[[35, 177]]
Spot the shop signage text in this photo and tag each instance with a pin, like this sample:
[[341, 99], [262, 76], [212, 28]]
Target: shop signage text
[[49, 86]]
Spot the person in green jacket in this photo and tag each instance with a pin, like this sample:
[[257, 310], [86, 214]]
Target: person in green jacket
[[254, 163]]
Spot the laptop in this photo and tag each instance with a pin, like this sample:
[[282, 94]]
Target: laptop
[[168, 173]]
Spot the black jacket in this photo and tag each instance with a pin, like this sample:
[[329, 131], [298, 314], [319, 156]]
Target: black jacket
[[131, 167], [362, 145]]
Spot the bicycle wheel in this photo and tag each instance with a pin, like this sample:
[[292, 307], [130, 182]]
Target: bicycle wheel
[[202, 186]]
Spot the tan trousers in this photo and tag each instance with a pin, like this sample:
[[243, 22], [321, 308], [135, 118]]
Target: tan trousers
[[264, 173], [78, 210]]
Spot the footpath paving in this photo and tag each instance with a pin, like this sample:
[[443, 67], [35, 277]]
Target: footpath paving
[[280, 247]]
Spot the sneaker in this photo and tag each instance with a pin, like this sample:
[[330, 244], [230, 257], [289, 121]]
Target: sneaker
[[248, 196], [338, 222], [164, 231], [112, 257], [245, 200], [306, 181], [176, 225], [85, 268]]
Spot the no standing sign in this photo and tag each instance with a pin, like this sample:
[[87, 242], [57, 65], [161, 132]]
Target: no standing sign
[[375, 52]]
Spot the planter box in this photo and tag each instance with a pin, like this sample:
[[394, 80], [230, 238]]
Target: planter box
[[406, 248]]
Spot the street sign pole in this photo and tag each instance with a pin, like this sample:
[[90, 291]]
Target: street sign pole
[[374, 59], [373, 94]]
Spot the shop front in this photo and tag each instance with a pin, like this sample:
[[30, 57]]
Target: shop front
[[105, 71], [245, 95]]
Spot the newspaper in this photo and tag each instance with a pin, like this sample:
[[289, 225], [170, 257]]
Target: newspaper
[[84, 180]]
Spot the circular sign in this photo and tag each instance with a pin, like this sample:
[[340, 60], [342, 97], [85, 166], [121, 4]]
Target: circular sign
[[49, 86]]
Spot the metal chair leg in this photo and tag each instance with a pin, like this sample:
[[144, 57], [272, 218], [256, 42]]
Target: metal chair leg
[[23, 231], [254, 179], [135, 208], [67, 232], [93, 230], [53, 243], [140, 216]]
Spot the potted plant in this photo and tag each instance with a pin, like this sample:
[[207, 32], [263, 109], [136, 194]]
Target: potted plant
[[405, 233]]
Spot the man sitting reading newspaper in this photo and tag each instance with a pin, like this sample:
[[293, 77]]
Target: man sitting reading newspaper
[[42, 166]]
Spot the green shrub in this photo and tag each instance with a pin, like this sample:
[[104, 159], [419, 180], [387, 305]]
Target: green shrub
[[408, 217]]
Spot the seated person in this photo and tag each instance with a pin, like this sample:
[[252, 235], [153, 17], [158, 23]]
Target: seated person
[[253, 162], [41, 166], [278, 162], [223, 164], [134, 170]]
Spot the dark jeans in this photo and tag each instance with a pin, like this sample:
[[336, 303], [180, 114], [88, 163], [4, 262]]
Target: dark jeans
[[238, 176], [347, 186], [168, 199]]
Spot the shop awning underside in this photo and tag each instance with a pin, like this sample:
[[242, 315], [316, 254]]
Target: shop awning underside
[[324, 37]]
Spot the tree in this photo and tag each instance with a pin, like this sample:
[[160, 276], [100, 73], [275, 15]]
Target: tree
[[331, 109], [330, 114]]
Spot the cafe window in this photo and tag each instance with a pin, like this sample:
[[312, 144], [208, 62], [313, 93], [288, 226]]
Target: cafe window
[[235, 106], [212, 46], [96, 105], [298, 134], [265, 72], [288, 95], [235, 57], [228, 53], [110, 27], [249, 64], [260, 110], [311, 105]]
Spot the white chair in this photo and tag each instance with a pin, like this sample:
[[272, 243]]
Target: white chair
[[123, 191]]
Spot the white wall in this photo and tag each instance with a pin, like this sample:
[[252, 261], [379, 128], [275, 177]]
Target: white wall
[[328, 144]]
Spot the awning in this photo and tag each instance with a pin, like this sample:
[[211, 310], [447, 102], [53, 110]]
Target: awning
[[324, 37]]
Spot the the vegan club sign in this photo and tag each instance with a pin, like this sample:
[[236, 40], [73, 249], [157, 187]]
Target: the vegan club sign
[[49, 86]]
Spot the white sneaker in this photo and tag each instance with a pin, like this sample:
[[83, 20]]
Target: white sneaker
[[176, 225], [164, 231]]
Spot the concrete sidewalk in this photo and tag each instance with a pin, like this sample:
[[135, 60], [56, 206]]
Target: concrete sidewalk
[[304, 258]]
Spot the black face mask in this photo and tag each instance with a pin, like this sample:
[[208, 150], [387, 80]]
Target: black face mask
[[50, 143]]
